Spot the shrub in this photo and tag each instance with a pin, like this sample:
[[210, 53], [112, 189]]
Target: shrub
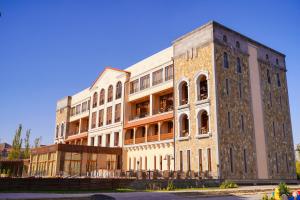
[[283, 189], [265, 197], [298, 169], [170, 186], [228, 184]]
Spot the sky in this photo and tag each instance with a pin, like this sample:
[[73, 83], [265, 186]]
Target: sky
[[50, 49]]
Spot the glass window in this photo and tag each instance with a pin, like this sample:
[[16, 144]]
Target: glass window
[[94, 119], [134, 86], [118, 90], [169, 72], [100, 118], [102, 97], [118, 112], [95, 98], [144, 82], [110, 93], [109, 115], [225, 60], [157, 77]]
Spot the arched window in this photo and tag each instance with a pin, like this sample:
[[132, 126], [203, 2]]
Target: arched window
[[57, 131], [95, 100], [102, 96], [224, 38], [184, 125], [238, 65], [119, 90], [183, 93], [202, 89], [62, 129], [237, 44], [110, 93], [203, 122], [225, 60]]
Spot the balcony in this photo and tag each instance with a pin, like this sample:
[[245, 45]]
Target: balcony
[[128, 141], [152, 138], [140, 116], [140, 140], [166, 136]]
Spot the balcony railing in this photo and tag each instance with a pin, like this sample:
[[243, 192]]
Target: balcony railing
[[202, 96], [138, 116], [152, 138], [85, 129], [128, 141], [166, 136], [140, 140]]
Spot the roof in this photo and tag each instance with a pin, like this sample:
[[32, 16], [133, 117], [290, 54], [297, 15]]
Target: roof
[[107, 68]]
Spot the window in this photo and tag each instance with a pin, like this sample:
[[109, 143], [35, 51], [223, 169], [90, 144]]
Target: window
[[267, 57], [160, 163], [129, 163], [84, 106], [107, 140], [110, 93], [278, 80], [237, 44], [229, 119], [209, 159], [227, 86], [157, 77], [109, 115], [62, 129], [57, 131], [274, 132], [225, 60], [183, 93], [146, 163], [231, 159], [99, 140], [202, 89], [94, 119], [188, 153], [134, 163], [200, 160], [224, 38], [268, 76], [203, 122], [102, 96], [242, 122], [181, 161], [154, 162], [144, 82], [95, 96], [240, 90], [169, 72], [184, 125], [73, 111], [78, 109], [92, 141], [118, 112], [119, 90], [238, 65], [134, 86], [100, 119], [116, 139], [245, 161], [277, 61]]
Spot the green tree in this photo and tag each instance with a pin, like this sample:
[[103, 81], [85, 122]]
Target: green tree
[[37, 142], [15, 152], [27, 144]]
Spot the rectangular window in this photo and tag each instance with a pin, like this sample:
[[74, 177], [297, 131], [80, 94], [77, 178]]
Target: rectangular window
[[145, 82], [134, 86], [107, 140], [129, 163], [84, 107], [146, 163], [94, 114], [200, 160], [274, 132], [134, 163], [78, 109], [73, 111], [278, 80], [227, 86], [92, 141], [109, 115], [240, 90], [268, 76], [157, 77], [100, 118], [209, 159], [231, 160], [160, 163], [242, 123], [169, 72], [154, 162], [229, 119], [116, 139], [245, 161], [188, 154], [118, 112], [181, 161], [99, 140]]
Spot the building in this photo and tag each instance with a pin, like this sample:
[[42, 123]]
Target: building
[[214, 103], [4, 150]]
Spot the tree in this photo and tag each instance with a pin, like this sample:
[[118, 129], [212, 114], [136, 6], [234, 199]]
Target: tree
[[27, 144], [15, 152], [37, 142]]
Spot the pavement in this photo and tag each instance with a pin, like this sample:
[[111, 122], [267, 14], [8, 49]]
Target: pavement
[[241, 193]]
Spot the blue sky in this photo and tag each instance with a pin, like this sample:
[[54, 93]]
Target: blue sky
[[50, 49]]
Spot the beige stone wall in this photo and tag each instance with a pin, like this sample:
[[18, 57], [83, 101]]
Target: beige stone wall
[[62, 116], [234, 137], [277, 112], [188, 67]]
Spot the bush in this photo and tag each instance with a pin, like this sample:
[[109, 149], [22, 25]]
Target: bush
[[265, 197], [283, 189], [170, 186], [228, 184]]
